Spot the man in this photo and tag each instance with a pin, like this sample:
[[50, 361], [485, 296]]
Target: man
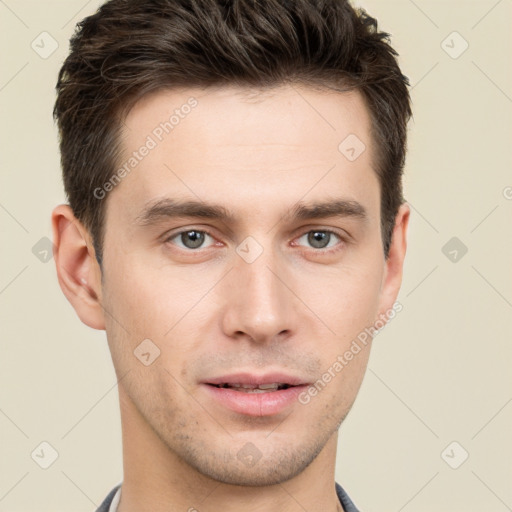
[[236, 223]]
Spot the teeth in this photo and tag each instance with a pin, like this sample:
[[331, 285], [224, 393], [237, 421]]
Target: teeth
[[249, 388], [268, 386]]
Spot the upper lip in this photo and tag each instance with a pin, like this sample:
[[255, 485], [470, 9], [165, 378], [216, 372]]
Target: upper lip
[[254, 379]]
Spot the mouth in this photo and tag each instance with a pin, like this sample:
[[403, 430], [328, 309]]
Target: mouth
[[253, 395], [249, 388]]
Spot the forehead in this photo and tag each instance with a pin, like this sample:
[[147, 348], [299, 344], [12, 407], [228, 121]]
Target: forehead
[[238, 145], [285, 114]]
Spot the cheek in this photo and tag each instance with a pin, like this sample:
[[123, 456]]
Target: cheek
[[348, 305], [347, 299], [149, 300], [140, 333], [150, 310]]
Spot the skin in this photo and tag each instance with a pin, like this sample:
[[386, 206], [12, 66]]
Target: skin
[[296, 308]]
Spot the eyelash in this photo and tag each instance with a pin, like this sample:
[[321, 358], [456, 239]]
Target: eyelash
[[343, 240]]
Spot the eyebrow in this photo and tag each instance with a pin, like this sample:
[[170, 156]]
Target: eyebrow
[[168, 208], [331, 208]]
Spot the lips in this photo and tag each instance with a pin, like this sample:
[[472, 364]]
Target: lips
[[249, 388], [255, 395], [252, 380]]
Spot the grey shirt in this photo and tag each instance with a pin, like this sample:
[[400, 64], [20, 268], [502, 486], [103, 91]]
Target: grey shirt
[[112, 500]]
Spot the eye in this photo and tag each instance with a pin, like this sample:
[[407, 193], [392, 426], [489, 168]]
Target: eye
[[190, 239], [321, 239], [324, 240]]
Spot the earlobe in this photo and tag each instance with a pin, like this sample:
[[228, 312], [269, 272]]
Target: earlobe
[[77, 269]]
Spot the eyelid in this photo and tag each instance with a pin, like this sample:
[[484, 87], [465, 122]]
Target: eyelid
[[341, 234], [169, 235]]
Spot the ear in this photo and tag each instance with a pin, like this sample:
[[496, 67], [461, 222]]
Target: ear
[[77, 269], [394, 264]]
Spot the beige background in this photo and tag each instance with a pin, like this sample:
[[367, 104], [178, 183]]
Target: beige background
[[439, 372]]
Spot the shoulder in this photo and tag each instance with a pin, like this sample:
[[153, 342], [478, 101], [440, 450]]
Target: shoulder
[[347, 503], [105, 506]]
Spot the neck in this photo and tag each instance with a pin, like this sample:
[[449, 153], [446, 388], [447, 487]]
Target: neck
[[156, 479]]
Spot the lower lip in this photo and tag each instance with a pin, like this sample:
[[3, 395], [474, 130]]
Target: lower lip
[[255, 404]]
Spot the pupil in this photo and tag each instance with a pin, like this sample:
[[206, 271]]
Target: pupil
[[319, 239], [192, 239]]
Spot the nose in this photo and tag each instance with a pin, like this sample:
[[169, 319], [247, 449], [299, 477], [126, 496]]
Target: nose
[[259, 305]]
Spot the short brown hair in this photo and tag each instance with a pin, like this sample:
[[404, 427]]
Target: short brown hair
[[130, 48]]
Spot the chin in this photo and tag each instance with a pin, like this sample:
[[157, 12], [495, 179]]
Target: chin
[[272, 468]]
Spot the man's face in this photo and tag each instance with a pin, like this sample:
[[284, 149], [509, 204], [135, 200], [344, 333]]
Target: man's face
[[261, 297]]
